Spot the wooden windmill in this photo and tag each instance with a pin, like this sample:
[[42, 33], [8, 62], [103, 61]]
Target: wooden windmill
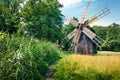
[[84, 38]]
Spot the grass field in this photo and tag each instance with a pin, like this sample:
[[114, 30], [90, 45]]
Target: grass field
[[104, 66], [108, 53]]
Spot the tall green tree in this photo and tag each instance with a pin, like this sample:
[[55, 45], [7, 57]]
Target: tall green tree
[[101, 31], [113, 37], [42, 19], [9, 15]]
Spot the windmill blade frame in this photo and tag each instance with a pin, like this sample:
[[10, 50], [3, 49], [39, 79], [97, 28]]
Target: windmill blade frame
[[73, 22], [96, 39], [96, 17], [72, 34], [77, 36]]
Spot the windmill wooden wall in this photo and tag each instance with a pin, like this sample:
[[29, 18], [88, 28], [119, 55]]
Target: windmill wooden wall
[[86, 45]]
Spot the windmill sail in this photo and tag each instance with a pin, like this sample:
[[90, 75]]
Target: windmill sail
[[85, 12], [72, 34], [77, 37], [101, 14], [96, 39], [75, 40], [73, 22]]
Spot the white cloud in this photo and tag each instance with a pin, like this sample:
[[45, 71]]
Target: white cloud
[[118, 22], [104, 23], [69, 3]]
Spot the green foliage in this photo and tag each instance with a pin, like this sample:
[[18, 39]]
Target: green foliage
[[43, 19], [111, 35], [81, 67], [25, 58], [9, 15], [65, 31], [101, 31]]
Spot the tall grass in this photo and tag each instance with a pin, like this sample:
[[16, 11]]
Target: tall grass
[[84, 67], [25, 58]]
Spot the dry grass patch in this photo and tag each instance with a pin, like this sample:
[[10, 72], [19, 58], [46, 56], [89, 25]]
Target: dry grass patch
[[108, 53], [85, 67]]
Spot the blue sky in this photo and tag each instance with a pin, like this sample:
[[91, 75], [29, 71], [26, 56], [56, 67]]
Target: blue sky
[[74, 8]]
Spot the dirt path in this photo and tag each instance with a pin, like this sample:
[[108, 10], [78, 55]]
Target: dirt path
[[50, 71]]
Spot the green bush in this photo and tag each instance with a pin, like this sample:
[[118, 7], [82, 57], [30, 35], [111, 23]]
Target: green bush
[[24, 58]]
